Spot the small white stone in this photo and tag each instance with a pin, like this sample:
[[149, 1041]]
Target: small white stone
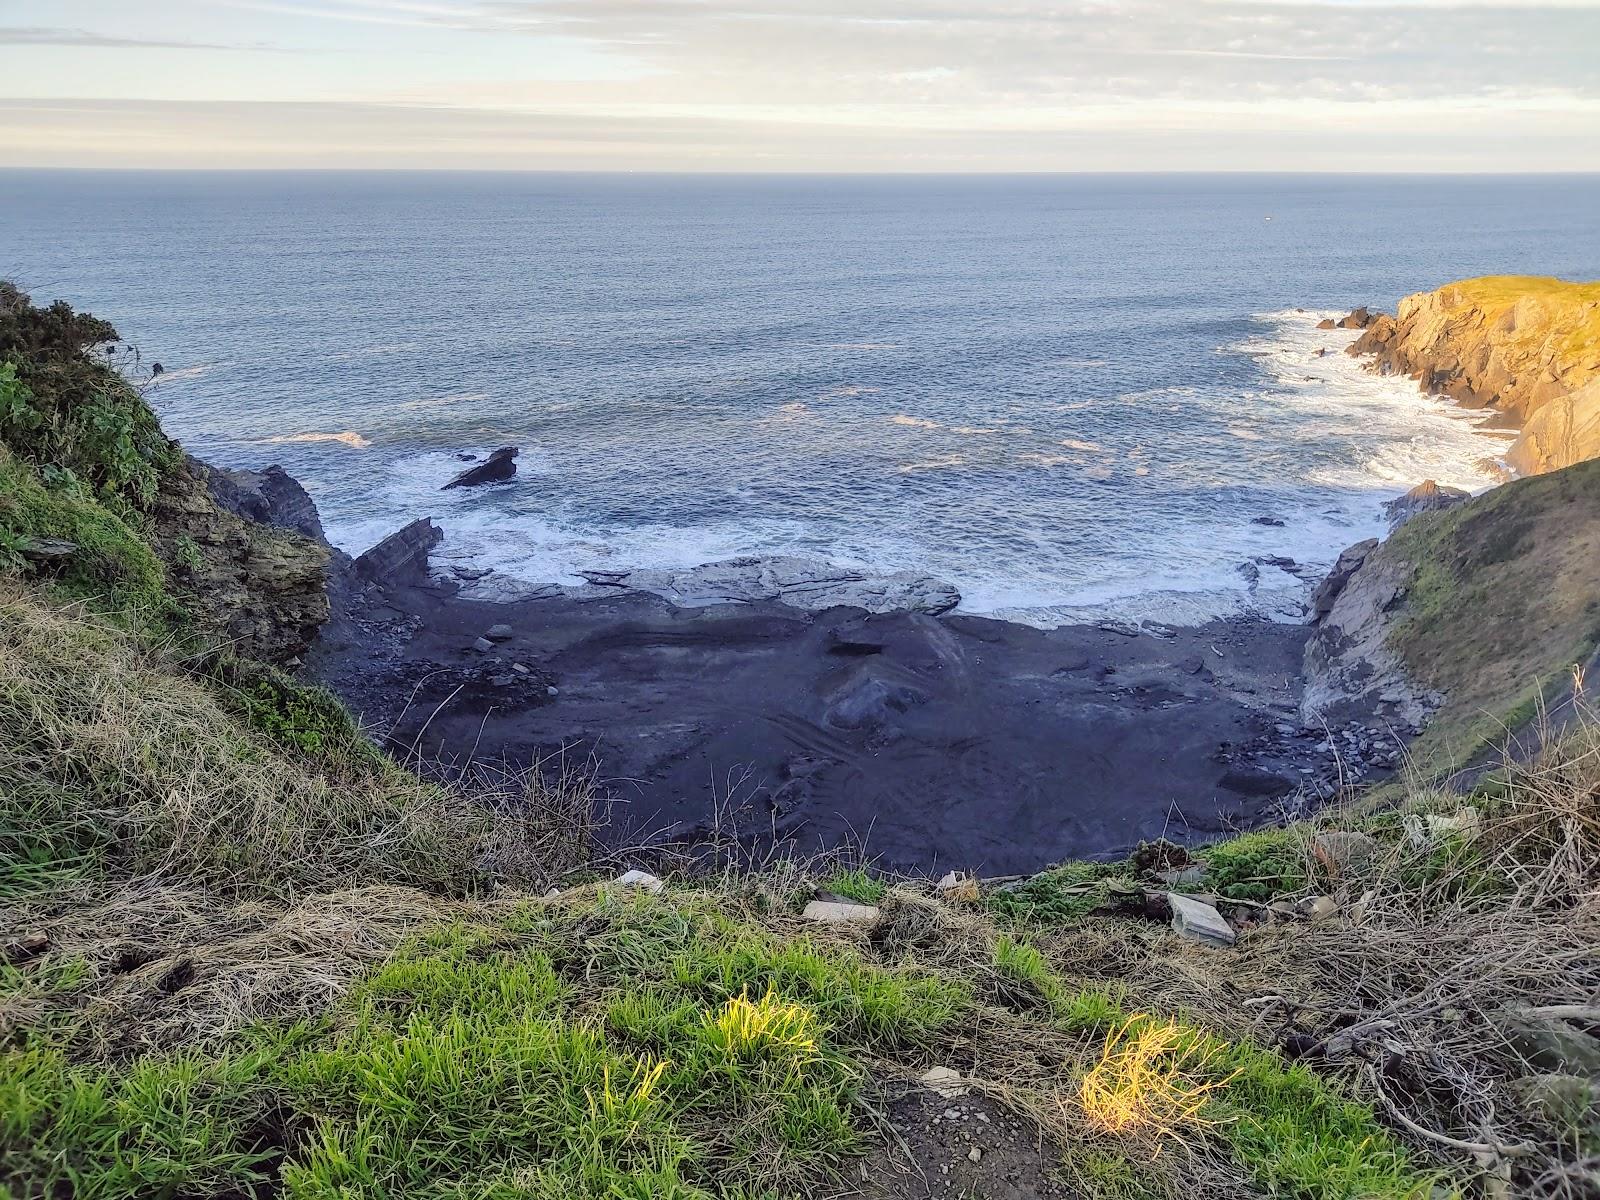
[[640, 879], [836, 912], [974, 1154], [946, 1081]]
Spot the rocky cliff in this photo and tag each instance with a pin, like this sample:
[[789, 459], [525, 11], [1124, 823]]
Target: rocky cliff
[[100, 506], [1527, 346], [1467, 615]]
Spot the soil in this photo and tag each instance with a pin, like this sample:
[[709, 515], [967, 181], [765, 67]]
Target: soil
[[969, 1146]]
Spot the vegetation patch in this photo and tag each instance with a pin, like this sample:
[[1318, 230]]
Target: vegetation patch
[[305, 719], [114, 759], [111, 567], [1258, 865], [1503, 602], [64, 408]]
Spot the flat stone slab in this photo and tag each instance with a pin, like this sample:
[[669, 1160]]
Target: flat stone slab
[[946, 1081], [834, 912], [1199, 921], [798, 582]]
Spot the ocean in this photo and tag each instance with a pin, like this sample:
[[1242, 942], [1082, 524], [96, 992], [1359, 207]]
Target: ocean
[[1067, 396]]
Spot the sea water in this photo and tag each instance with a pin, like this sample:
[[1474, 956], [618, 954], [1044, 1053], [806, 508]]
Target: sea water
[[1067, 396]]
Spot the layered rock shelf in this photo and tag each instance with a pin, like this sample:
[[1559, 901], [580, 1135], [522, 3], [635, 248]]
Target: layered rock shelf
[[1526, 346]]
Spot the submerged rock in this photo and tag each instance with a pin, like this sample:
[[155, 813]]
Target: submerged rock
[[498, 467]]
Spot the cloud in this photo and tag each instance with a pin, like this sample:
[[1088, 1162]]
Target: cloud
[[908, 84], [1369, 137], [38, 35]]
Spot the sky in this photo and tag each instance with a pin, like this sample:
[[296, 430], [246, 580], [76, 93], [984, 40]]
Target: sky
[[804, 85]]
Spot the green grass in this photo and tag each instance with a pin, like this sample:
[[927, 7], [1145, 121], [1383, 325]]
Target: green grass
[[117, 763], [1294, 1133], [856, 883], [1256, 866], [114, 568], [67, 411], [494, 1060], [1059, 896], [1504, 597], [302, 718]]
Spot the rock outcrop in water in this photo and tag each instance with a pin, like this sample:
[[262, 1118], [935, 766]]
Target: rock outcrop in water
[[1427, 496], [1529, 347], [498, 467], [270, 496], [402, 557]]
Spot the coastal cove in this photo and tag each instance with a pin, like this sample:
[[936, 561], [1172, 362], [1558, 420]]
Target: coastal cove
[[791, 707]]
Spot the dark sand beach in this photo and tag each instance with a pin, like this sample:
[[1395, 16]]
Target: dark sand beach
[[933, 742]]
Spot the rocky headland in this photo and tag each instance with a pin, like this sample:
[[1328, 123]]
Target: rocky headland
[[1526, 347]]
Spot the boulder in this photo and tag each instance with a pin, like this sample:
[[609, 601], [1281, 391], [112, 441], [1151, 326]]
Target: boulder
[[498, 467], [1351, 667], [1349, 562], [1550, 1043], [1570, 1103], [1427, 496], [1359, 318], [270, 496], [640, 879], [402, 557], [872, 697], [47, 551], [1327, 323], [499, 633], [1562, 431]]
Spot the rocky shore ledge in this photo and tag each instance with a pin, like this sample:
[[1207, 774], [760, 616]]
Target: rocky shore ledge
[[786, 703]]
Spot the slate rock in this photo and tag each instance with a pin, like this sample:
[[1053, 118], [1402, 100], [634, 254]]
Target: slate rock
[[1198, 921], [498, 467], [402, 557]]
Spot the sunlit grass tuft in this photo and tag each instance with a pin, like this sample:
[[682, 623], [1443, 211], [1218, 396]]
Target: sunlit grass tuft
[[1152, 1079], [744, 1028]]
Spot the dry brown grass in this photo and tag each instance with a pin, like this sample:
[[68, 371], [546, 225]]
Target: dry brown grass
[[112, 758], [149, 967]]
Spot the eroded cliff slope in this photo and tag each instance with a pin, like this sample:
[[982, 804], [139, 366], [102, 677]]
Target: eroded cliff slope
[[1467, 616], [1525, 345]]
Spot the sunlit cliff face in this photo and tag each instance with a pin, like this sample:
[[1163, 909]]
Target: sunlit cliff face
[[1009, 85]]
